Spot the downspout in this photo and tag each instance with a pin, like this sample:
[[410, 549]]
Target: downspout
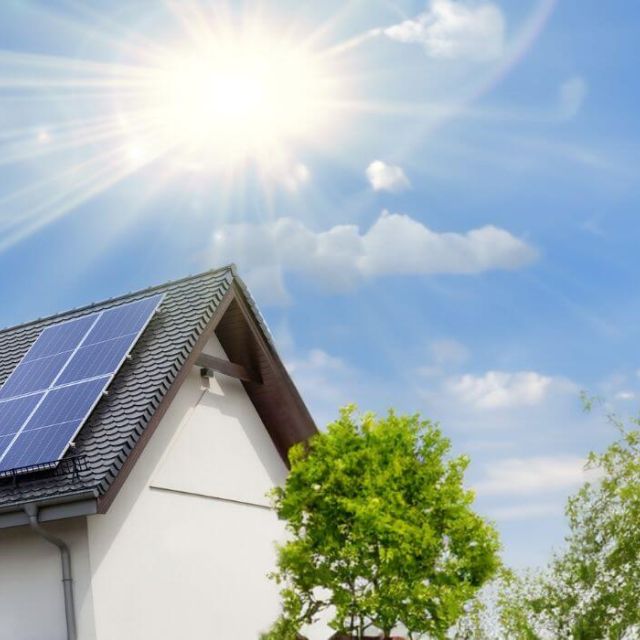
[[65, 556]]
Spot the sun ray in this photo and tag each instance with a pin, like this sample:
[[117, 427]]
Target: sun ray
[[90, 178], [87, 24], [48, 141]]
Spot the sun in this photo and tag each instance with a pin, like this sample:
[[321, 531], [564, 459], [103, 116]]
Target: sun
[[238, 97]]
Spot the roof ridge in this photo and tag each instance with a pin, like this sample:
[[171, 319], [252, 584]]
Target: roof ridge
[[231, 268]]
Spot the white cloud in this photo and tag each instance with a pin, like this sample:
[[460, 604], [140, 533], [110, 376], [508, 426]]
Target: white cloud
[[450, 29], [399, 244], [571, 97], [387, 177], [448, 351], [444, 353], [339, 258], [316, 360], [527, 511], [526, 476], [502, 389], [326, 382], [268, 287], [296, 176]]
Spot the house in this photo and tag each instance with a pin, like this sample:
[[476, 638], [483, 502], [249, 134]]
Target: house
[[156, 514]]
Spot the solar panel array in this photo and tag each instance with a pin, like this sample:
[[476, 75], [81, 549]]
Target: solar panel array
[[57, 384]]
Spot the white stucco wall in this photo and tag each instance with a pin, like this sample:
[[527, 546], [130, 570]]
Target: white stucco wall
[[186, 546], [31, 597]]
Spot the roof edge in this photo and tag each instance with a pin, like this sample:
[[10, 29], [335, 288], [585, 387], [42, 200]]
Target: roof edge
[[81, 503], [231, 268]]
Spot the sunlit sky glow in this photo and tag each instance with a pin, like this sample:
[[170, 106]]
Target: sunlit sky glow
[[434, 202], [236, 95]]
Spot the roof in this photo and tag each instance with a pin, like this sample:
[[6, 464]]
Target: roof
[[115, 433]]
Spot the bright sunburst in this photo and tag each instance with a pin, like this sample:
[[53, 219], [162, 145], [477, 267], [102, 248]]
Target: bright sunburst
[[231, 95], [239, 99]]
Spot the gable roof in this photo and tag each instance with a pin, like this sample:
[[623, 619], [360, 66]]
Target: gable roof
[[113, 437]]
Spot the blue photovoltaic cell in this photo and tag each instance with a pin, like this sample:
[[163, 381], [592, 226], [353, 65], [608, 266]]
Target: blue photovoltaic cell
[[35, 375], [55, 421], [67, 403], [14, 413], [96, 359], [60, 338], [50, 394], [39, 446], [122, 321]]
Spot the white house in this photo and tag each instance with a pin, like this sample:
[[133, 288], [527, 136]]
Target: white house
[[160, 502]]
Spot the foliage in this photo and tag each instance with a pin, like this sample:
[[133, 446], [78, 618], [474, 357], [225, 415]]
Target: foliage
[[382, 534], [591, 590]]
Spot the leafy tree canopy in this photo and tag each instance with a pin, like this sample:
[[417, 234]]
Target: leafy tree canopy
[[381, 530], [590, 590]]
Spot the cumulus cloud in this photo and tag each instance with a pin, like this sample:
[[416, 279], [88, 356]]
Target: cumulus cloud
[[571, 97], [341, 257], [531, 475], [387, 177], [503, 389], [450, 29]]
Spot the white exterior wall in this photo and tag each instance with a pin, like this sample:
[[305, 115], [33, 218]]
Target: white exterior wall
[[31, 597], [185, 548]]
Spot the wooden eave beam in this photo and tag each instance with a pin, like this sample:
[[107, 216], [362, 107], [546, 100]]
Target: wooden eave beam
[[212, 363]]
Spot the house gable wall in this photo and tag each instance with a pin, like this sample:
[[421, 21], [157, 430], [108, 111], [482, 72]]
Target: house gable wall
[[186, 545]]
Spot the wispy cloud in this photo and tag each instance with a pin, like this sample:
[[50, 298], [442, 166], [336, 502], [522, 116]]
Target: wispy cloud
[[444, 354], [327, 382], [504, 389], [528, 511], [295, 176], [531, 475], [341, 257], [448, 351], [571, 97], [387, 177], [450, 29]]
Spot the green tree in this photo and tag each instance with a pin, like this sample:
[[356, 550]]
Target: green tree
[[591, 589], [381, 530]]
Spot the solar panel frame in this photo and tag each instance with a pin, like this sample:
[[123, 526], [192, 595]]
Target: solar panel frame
[[6, 455]]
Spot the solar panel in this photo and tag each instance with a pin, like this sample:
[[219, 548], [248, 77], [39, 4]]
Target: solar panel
[[51, 393]]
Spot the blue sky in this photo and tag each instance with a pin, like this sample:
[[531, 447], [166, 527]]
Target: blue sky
[[440, 216]]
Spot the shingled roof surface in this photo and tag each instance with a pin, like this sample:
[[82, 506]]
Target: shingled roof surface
[[120, 418]]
